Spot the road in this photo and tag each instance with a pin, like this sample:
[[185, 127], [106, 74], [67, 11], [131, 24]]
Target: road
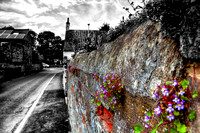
[[17, 96]]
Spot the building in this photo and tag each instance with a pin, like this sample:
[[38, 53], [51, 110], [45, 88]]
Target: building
[[16, 47], [76, 40]]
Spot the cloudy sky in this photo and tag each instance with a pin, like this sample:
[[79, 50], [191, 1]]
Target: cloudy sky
[[51, 15]]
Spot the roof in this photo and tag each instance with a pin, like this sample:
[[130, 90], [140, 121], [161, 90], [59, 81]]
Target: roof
[[13, 34]]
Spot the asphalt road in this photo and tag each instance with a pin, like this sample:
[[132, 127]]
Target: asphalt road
[[18, 96]]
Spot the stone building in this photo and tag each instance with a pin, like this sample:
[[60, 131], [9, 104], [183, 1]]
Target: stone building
[[76, 40]]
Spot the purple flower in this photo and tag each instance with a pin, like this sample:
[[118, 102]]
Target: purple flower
[[113, 78], [113, 86], [104, 81], [157, 110], [119, 84], [170, 117], [176, 100], [163, 88], [175, 83], [105, 91], [165, 92], [170, 108], [180, 105], [102, 89], [93, 76], [107, 76], [104, 77], [146, 118], [182, 102], [181, 92], [155, 95], [114, 101], [146, 126], [114, 98], [106, 95]]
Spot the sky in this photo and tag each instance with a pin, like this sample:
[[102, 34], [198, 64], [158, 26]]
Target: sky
[[51, 15]]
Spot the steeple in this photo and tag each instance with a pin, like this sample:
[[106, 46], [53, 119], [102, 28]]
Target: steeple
[[67, 24]]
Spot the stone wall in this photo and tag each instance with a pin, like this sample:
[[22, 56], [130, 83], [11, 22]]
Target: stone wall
[[142, 58]]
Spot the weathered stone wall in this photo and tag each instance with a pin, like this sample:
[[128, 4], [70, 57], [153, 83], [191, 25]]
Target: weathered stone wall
[[142, 58]]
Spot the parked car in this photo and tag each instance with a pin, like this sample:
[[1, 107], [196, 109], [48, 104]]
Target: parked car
[[45, 65]]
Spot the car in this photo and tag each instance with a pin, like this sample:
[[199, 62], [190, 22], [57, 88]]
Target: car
[[45, 65]]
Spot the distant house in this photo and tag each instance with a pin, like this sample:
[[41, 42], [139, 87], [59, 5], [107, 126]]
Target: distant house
[[76, 40]]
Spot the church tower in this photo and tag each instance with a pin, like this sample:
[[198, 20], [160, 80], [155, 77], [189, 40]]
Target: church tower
[[67, 24], [67, 46]]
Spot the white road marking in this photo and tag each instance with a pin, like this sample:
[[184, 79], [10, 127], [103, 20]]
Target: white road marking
[[23, 122]]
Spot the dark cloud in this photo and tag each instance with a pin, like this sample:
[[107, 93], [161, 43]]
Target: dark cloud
[[12, 10], [11, 23], [83, 9], [54, 11], [5, 1]]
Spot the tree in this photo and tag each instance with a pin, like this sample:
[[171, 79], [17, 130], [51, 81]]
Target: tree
[[103, 33], [33, 38], [105, 27], [50, 46]]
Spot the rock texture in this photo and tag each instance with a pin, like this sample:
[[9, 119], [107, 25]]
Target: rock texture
[[142, 58]]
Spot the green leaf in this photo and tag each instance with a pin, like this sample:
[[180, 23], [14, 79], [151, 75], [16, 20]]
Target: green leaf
[[154, 130], [184, 98], [177, 123], [182, 128], [149, 114], [98, 103], [122, 86], [92, 101], [176, 113], [110, 99], [192, 114], [104, 84], [112, 107], [192, 64], [184, 83], [138, 128], [168, 82], [172, 130], [194, 94], [160, 122], [102, 95]]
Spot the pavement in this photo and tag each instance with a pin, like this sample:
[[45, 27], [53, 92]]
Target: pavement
[[50, 114], [34, 104]]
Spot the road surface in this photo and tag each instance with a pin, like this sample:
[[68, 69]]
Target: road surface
[[18, 96]]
